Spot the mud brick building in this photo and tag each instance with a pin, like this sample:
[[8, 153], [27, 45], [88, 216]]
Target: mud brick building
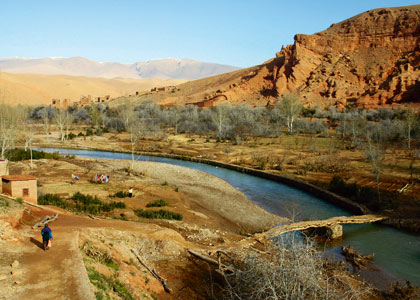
[[23, 186]]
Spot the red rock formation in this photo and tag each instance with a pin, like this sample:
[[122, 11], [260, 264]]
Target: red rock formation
[[370, 60]]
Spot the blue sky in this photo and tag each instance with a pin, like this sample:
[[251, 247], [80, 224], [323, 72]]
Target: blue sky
[[235, 32]]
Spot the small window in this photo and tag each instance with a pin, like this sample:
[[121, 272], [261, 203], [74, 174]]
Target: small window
[[25, 192]]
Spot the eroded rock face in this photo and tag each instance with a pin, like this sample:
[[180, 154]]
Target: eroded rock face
[[369, 60]]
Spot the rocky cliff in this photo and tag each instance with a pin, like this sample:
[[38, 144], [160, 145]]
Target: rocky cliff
[[370, 60]]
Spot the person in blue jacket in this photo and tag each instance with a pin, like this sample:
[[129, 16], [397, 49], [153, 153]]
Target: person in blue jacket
[[46, 236]]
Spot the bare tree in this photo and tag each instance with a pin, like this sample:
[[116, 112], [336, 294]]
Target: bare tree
[[68, 122], [60, 117], [96, 115], [413, 155], [410, 118], [358, 127], [173, 116], [290, 107], [126, 114], [27, 130], [220, 116], [375, 154], [135, 129], [46, 120], [292, 270], [8, 128]]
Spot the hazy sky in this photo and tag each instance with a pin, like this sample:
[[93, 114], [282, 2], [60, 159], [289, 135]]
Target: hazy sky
[[236, 32]]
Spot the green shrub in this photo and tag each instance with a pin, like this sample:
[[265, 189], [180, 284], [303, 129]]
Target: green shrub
[[158, 214], [92, 205], [89, 132], [165, 183], [80, 134], [70, 136], [78, 197], [4, 202], [122, 290], [99, 280], [99, 295], [157, 203], [120, 194], [53, 199], [18, 154], [111, 264]]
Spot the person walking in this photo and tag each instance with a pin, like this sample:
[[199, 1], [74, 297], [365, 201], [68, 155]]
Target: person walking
[[46, 237], [130, 192]]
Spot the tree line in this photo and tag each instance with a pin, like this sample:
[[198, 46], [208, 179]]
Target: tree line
[[359, 127]]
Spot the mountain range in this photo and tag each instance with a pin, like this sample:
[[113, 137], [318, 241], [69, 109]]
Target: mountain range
[[168, 68]]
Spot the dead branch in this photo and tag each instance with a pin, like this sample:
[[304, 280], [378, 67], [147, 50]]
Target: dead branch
[[153, 272], [46, 220], [358, 260], [93, 217], [212, 261]]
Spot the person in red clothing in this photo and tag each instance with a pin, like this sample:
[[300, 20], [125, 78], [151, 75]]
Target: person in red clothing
[[46, 236]]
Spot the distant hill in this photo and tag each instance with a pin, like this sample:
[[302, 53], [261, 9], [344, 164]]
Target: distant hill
[[169, 68], [370, 60], [35, 89]]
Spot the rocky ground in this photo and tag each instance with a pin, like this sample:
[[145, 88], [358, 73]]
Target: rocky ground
[[213, 215]]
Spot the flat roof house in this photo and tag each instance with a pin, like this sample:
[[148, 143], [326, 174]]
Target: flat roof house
[[23, 186]]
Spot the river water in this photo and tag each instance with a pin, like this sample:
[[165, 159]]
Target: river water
[[397, 254]]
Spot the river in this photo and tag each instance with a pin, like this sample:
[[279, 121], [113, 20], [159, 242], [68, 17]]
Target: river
[[397, 254]]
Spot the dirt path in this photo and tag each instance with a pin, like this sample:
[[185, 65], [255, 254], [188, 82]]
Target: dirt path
[[60, 272]]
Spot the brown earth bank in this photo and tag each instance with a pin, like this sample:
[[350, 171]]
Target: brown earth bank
[[213, 214], [201, 198], [315, 160], [368, 60], [100, 248]]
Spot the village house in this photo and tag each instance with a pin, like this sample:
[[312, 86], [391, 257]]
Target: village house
[[57, 103], [20, 186], [84, 100], [169, 88], [103, 99], [87, 100]]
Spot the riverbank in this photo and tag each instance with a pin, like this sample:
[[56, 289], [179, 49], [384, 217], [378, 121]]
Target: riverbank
[[307, 187], [361, 237], [397, 219], [202, 199]]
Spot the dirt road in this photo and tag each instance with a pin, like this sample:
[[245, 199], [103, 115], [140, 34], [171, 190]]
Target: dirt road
[[58, 273]]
